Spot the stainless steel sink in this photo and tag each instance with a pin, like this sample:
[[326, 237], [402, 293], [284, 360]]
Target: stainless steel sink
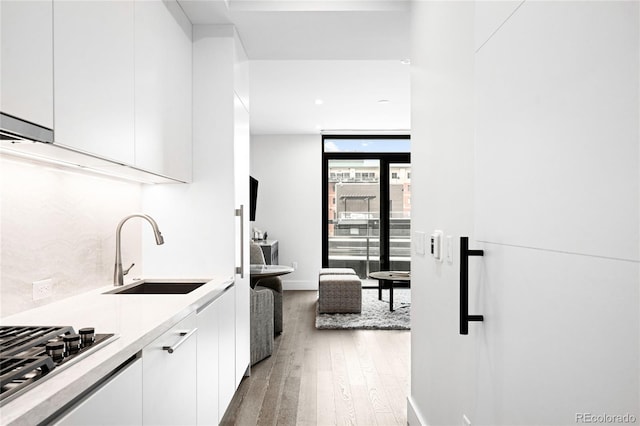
[[158, 287]]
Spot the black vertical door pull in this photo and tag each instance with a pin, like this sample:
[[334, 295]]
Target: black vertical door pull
[[464, 285]]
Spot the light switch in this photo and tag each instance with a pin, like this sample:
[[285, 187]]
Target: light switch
[[449, 244], [436, 245]]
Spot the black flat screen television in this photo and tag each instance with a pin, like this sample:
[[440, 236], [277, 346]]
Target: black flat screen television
[[253, 198]]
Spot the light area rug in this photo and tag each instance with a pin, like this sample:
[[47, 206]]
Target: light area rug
[[375, 313]]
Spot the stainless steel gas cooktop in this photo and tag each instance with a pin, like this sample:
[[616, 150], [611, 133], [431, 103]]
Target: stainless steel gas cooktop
[[30, 354]]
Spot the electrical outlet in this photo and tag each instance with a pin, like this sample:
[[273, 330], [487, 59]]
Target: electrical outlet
[[42, 289], [295, 265]]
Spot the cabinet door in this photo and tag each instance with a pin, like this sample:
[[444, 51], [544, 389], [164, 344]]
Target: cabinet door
[[163, 52], [227, 351], [169, 379], [208, 331], [26, 64], [117, 402], [94, 77]]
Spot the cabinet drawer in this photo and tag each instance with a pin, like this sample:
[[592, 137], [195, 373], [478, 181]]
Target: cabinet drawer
[[169, 376], [117, 402]]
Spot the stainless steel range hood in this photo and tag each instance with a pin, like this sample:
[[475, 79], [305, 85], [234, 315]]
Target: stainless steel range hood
[[15, 129], [20, 138]]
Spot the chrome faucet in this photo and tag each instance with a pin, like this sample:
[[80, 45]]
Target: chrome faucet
[[118, 273]]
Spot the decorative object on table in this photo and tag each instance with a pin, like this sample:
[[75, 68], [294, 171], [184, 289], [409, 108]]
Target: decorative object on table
[[269, 250], [375, 313], [258, 235]]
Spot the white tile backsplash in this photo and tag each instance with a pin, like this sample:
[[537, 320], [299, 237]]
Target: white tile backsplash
[[60, 224]]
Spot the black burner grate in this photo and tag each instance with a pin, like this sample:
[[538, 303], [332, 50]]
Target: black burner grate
[[19, 372], [15, 340], [24, 359]]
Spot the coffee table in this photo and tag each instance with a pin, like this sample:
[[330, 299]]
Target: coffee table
[[387, 279]]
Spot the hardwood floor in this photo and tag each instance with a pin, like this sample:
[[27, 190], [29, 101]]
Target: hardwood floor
[[325, 377]]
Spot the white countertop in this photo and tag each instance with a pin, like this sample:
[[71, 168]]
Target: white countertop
[[137, 319]]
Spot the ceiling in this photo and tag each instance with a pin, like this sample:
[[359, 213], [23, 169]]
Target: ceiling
[[346, 53]]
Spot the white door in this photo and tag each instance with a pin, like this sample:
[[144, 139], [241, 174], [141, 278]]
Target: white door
[[541, 172], [556, 208], [241, 169]]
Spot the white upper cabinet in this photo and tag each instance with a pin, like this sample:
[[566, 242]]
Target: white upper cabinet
[[163, 58], [26, 64], [94, 77], [123, 82]]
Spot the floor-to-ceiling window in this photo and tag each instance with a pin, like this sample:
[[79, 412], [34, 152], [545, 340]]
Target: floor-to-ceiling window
[[366, 203]]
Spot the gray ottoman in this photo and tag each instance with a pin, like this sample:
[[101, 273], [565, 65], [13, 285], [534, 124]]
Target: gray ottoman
[[339, 294], [261, 324], [337, 271]]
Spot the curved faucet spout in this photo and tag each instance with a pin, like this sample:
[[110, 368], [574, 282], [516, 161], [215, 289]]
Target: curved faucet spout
[[118, 273]]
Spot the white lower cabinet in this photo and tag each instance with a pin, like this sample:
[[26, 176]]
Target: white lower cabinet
[[117, 402], [184, 377], [169, 376], [227, 350], [216, 358], [208, 331]]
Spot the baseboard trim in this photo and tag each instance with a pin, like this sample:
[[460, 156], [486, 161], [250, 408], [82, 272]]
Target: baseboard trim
[[414, 417], [299, 285]]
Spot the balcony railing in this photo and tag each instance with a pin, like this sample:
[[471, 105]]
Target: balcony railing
[[363, 253], [357, 215]]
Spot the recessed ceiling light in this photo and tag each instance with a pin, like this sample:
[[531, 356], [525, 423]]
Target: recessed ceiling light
[[319, 101], [384, 101], [405, 61]]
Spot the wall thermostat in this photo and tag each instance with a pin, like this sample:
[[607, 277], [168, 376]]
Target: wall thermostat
[[436, 245]]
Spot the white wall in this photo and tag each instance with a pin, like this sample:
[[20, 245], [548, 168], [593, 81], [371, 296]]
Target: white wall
[[442, 156], [289, 206], [554, 202], [61, 224]]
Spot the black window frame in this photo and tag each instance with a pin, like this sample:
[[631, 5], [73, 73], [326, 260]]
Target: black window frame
[[385, 158]]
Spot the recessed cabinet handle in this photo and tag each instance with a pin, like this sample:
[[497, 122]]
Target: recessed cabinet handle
[[464, 285], [185, 335]]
